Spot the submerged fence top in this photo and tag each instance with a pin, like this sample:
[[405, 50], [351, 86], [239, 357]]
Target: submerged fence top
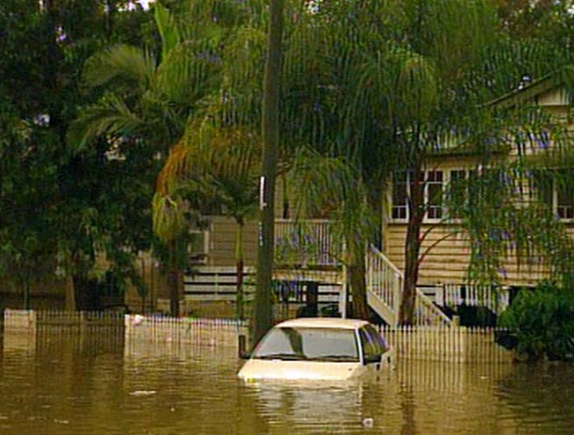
[[424, 343]]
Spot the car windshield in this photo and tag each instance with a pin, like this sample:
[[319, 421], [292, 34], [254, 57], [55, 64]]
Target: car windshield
[[309, 344]]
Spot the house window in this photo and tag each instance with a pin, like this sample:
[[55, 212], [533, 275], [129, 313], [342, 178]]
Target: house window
[[555, 191], [433, 195], [400, 196], [564, 201]]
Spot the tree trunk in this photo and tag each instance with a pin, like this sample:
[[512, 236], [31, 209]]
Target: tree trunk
[[239, 263], [22, 286], [173, 280], [109, 17], [412, 248], [82, 289], [70, 294], [357, 280], [262, 316], [27, 294]]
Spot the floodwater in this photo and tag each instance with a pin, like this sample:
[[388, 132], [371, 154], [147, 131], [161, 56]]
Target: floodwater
[[57, 383]]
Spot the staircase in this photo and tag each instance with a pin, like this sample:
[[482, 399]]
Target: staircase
[[384, 288]]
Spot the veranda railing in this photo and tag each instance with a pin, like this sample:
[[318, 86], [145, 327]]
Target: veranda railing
[[306, 243], [496, 299]]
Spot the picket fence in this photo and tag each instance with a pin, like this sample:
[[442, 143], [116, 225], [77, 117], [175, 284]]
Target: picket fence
[[455, 344], [429, 343], [159, 329], [15, 320], [21, 319], [212, 332]]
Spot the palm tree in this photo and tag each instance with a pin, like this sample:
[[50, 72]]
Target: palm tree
[[386, 84], [148, 101], [335, 188], [210, 165]]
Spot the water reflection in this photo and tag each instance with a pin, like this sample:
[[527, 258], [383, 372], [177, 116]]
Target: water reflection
[[309, 406], [539, 397], [407, 404], [93, 382]]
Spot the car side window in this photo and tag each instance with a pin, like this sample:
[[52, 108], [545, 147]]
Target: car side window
[[380, 343], [369, 346]]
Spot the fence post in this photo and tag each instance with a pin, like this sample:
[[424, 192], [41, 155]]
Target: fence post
[[398, 288]]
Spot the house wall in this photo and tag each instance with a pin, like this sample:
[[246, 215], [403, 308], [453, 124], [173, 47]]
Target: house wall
[[222, 237], [447, 262], [223, 232]]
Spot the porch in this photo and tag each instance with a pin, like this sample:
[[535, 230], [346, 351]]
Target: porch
[[309, 268]]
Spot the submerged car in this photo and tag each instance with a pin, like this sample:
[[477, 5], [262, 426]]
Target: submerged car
[[318, 348]]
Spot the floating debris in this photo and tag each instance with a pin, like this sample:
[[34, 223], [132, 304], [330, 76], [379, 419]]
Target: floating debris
[[143, 393], [368, 422]]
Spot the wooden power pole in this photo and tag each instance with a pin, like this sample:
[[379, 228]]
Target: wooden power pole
[[262, 315]]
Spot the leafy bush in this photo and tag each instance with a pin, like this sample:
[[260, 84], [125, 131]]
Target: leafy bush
[[542, 321]]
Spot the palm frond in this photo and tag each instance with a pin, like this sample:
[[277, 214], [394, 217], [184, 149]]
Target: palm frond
[[168, 217], [168, 30], [124, 62], [109, 117]]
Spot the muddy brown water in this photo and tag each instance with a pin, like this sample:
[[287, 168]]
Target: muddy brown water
[[73, 383]]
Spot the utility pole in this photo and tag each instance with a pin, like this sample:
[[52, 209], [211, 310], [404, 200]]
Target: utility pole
[[262, 315]]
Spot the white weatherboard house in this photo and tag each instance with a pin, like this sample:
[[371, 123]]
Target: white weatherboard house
[[308, 259]]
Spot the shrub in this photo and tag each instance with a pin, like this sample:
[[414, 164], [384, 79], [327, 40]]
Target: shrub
[[542, 321]]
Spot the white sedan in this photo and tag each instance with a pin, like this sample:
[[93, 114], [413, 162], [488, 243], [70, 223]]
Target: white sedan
[[317, 348]]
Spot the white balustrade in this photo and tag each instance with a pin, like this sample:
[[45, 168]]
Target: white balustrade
[[306, 242], [495, 299], [385, 281]]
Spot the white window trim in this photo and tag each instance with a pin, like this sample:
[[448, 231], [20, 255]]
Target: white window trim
[[426, 220], [555, 205]]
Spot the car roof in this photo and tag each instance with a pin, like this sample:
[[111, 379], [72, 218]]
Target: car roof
[[322, 322]]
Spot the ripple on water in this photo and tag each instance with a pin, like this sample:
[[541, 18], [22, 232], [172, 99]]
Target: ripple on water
[[68, 386]]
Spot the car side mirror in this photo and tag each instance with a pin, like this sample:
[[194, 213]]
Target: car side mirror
[[242, 347], [373, 359], [244, 355]]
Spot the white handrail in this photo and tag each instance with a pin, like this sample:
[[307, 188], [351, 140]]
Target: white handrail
[[427, 313], [385, 280]]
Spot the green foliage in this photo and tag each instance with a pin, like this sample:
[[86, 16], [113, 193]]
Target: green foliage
[[370, 87], [543, 322], [59, 208]]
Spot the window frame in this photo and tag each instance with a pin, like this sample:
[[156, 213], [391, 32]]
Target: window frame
[[552, 194], [404, 208]]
